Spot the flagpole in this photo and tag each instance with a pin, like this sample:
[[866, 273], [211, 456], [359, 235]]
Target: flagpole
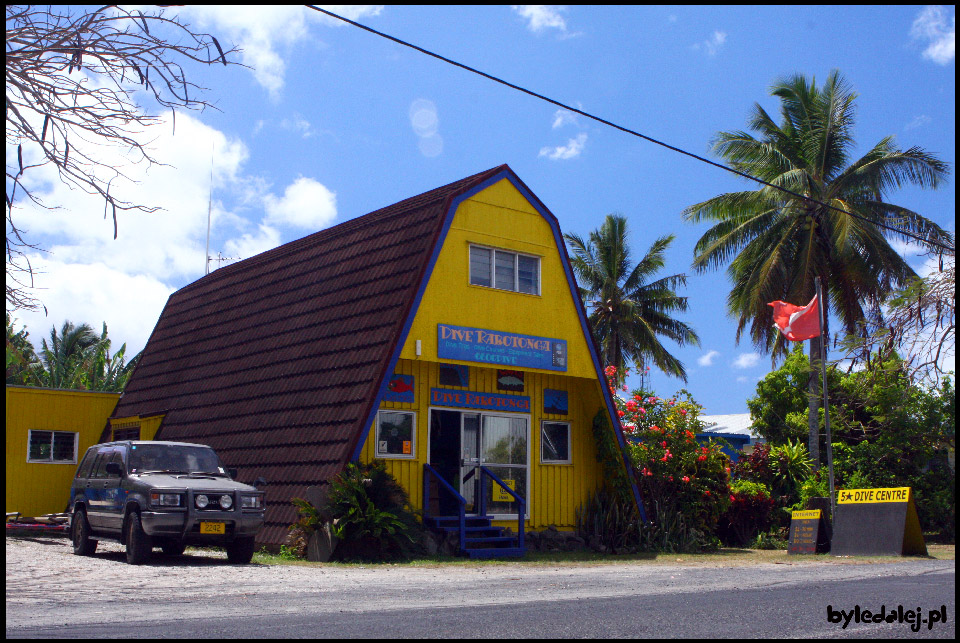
[[826, 401]]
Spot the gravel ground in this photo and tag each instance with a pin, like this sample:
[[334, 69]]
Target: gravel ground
[[47, 584]]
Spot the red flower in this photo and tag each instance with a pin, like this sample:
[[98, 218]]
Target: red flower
[[683, 411], [664, 444], [686, 479], [621, 413]]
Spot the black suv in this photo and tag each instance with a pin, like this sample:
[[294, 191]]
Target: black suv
[[161, 494]]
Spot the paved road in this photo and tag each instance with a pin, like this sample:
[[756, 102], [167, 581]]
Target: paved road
[[51, 593]]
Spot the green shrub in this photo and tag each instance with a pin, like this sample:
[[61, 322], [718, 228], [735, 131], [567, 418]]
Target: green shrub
[[612, 520], [749, 514], [371, 515]]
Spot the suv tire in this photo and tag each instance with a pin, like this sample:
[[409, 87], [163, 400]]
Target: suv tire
[[83, 545], [139, 547], [240, 551]]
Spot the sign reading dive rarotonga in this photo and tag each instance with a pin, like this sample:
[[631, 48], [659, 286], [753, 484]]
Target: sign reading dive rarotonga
[[497, 347], [877, 522], [477, 400]]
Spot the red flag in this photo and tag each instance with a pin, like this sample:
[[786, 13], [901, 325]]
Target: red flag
[[795, 322]]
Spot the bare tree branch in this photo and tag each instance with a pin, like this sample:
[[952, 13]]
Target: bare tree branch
[[72, 81], [919, 324]]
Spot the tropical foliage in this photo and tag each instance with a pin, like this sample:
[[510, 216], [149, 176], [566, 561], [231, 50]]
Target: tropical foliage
[[630, 310], [74, 358], [371, 515], [684, 484], [887, 430], [776, 243]]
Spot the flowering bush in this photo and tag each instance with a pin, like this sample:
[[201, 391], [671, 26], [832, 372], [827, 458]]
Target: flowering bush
[[684, 485], [749, 513]]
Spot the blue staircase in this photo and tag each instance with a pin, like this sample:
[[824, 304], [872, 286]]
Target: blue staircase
[[481, 538]]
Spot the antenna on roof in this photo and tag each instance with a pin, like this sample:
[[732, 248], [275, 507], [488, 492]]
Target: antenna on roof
[[209, 209], [219, 258]]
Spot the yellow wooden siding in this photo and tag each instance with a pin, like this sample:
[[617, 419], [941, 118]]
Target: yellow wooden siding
[[148, 425], [35, 488], [555, 490], [501, 217]]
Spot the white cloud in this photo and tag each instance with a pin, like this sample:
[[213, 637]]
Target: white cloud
[[165, 244], [541, 17], [260, 31], [746, 360], [563, 117], [919, 121], [305, 203], [932, 27], [707, 360], [248, 245], [88, 276], [571, 150], [94, 293], [713, 44], [297, 124], [426, 125]]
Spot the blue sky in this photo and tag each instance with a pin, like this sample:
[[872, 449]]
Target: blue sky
[[330, 122]]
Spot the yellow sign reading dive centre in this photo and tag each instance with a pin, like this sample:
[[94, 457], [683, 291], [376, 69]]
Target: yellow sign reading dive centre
[[894, 494]]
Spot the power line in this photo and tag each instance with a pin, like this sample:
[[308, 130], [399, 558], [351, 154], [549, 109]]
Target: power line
[[627, 129]]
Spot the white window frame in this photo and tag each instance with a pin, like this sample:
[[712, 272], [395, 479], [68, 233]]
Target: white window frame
[[76, 444], [413, 438], [569, 459], [493, 269]]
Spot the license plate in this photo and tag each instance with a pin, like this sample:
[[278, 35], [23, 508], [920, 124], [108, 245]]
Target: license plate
[[213, 527]]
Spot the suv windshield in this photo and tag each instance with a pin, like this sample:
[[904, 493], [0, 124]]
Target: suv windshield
[[170, 458]]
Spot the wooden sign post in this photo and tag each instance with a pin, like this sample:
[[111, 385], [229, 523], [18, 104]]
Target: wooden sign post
[[877, 522]]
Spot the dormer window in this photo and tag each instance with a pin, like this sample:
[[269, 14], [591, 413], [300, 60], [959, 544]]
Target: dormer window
[[504, 270]]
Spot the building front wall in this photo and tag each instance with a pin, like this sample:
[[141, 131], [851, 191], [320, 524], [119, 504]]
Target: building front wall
[[500, 217], [35, 488]]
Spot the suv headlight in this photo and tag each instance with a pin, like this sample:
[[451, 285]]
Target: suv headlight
[[158, 499], [201, 501], [226, 501], [251, 502]]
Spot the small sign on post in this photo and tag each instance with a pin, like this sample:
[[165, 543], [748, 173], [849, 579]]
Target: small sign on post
[[808, 533], [877, 522]]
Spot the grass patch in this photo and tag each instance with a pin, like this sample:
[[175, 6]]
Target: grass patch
[[727, 557]]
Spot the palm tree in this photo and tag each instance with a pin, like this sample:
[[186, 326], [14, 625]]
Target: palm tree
[[777, 243], [67, 355], [629, 312]]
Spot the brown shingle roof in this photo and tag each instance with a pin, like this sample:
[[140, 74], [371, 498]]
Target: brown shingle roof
[[276, 361]]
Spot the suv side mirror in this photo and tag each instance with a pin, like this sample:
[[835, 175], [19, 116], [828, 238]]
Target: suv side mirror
[[114, 469], [232, 472], [260, 482]]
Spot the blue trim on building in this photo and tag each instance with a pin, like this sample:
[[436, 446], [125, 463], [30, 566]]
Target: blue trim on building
[[574, 293]]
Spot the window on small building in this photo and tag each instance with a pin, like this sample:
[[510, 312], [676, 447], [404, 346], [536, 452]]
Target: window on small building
[[555, 443], [396, 434], [126, 431], [52, 446], [504, 270]]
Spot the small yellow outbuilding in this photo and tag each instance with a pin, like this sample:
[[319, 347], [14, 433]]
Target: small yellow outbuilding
[[47, 430]]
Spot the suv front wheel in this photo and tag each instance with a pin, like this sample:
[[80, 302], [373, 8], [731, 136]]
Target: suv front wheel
[[240, 551], [139, 547], [83, 545]]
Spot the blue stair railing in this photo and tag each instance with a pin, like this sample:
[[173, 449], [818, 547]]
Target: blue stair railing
[[522, 504], [429, 471]]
